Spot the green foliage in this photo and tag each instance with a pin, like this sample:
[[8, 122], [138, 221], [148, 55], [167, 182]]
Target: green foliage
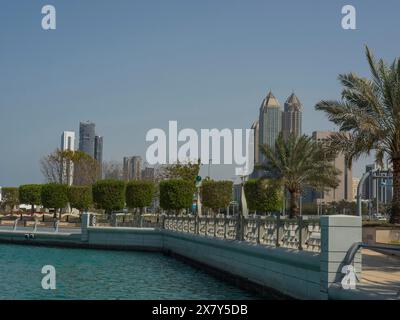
[[309, 209], [263, 195], [9, 197], [139, 193], [109, 195], [368, 118], [54, 195], [216, 194], [186, 171], [80, 197], [299, 162], [30, 194], [176, 194]]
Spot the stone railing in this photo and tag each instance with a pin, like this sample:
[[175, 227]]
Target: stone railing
[[298, 233]]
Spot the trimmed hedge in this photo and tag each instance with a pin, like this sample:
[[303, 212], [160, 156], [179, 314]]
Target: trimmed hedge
[[80, 197], [139, 194], [263, 195], [54, 196], [109, 195], [176, 194], [216, 194], [9, 197], [30, 194]]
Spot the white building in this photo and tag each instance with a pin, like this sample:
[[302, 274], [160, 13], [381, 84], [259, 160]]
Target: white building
[[68, 143]]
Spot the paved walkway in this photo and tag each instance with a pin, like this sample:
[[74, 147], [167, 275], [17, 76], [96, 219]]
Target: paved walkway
[[380, 274]]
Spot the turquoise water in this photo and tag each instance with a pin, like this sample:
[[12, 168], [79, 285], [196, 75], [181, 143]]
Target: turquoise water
[[100, 274]]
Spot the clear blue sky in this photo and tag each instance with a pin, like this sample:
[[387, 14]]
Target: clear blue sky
[[130, 66]]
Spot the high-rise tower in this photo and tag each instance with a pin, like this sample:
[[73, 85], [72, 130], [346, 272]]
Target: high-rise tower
[[98, 152], [68, 144], [292, 117], [270, 121], [87, 138], [132, 168], [256, 129]]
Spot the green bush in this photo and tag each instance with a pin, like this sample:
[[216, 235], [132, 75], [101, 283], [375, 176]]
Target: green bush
[[109, 195], [139, 194], [216, 194], [176, 194], [309, 209], [80, 197], [263, 195], [9, 197], [30, 194], [54, 196]]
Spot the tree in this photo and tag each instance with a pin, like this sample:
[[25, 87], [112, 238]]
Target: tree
[[264, 195], [176, 194], [186, 171], [216, 194], [300, 162], [57, 165], [80, 197], [368, 117], [86, 169], [139, 194], [54, 196], [109, 195], [30, 194], [54, 166], [9, 197]]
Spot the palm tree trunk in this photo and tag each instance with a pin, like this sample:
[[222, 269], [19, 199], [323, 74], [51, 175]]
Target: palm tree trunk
[[395, 216], [294, 204]]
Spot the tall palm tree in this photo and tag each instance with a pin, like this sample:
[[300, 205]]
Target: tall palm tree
[[368, 117], [300, 162]]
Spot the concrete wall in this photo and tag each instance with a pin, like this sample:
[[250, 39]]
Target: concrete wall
[[125, 238], [291, 272], [372, 235], [299, 274]]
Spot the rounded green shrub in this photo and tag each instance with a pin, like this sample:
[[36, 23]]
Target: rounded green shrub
[[176, 194], [54, 196], [30, 194], [109, 195], [9, 197], [264, 195], [139, 193], [216, 194], [80, 197]]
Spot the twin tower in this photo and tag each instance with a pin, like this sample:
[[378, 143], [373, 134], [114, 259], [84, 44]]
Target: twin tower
[[272, 121]]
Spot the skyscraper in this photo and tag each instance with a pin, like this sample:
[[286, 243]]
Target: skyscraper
[[345, 189], [256, 129], [381, 188], [270, 121], [98, 152], [87, 138], [148, 173], [132, 168], [68, 143], [291, 117]]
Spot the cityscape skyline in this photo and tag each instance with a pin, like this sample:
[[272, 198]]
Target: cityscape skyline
[[217, 62]]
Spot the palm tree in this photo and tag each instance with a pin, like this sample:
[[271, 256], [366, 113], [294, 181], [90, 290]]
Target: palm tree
[[368, 117], [300, 162]]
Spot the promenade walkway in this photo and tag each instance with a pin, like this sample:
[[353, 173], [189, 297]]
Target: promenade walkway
[[380, 274]]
